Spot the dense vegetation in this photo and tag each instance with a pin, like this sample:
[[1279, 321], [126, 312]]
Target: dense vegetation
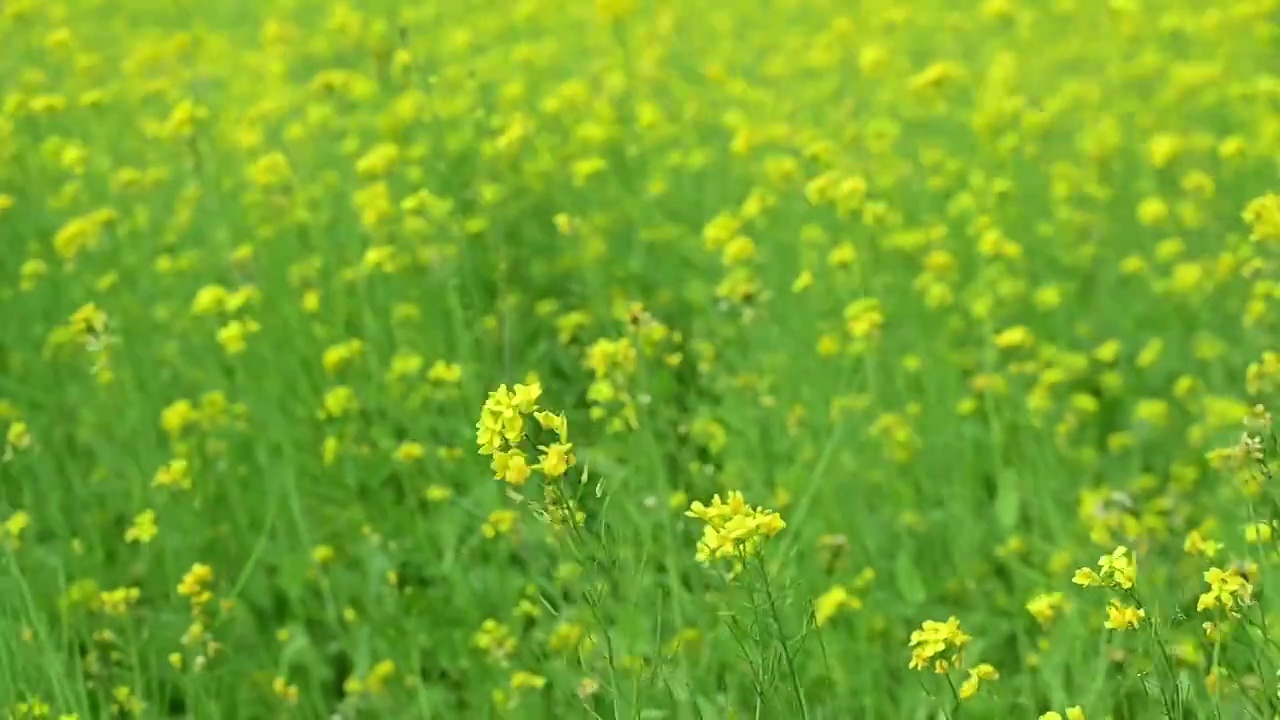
[[638, 359]]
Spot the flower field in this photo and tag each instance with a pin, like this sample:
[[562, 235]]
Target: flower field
[[639, 359]]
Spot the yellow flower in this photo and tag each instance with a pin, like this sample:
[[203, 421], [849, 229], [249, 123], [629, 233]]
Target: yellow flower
[[977, 675], [234, 336], [802, 282], [445, 373], [522, 679], [119, 600], [1228, 589], [379, 674], [285, 690], [930, 643], [555, 460], [833, 601], [1197, 544], [437, 493], [556, 423], [13, 527], [1086, 577], [502, 419], [194, 584], [209, 300], [1263, 217], [337, 356], [1115, 569], [525, 397], [378, 161], [1120, 566], [409, 451], [1152, 211], [270, 171], [143, 529], [1257, 533], [175, 473], [87, 321], [733, 528], [1123, 617], [499, 522], [1019, 336], [511, 467], [1044, 607], [18, 437], [339, 401]]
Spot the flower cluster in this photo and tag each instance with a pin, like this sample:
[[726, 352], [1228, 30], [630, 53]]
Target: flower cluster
[[831, 602], [938, 645], [1228, 590], [502, 429], [1117, 570], [87, 328], [1263, 217], [197, 587], [980, 673], [612, 363], [1122, 616], [502, 419], [1045, 606], [503, 433], [733, 529]]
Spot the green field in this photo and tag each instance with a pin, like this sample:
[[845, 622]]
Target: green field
[[639, 359]]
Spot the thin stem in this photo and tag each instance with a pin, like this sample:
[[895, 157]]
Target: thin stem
[[576, 542], [1173, 708], [782, 638], [955, 697], [757, 676]]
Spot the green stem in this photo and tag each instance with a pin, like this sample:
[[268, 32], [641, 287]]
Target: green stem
[[782, 638], [955, 697]]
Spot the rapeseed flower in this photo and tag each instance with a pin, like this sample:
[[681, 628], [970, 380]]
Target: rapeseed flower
[[733, 529], [938, 646], [1117, 569], [1228, 591]]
